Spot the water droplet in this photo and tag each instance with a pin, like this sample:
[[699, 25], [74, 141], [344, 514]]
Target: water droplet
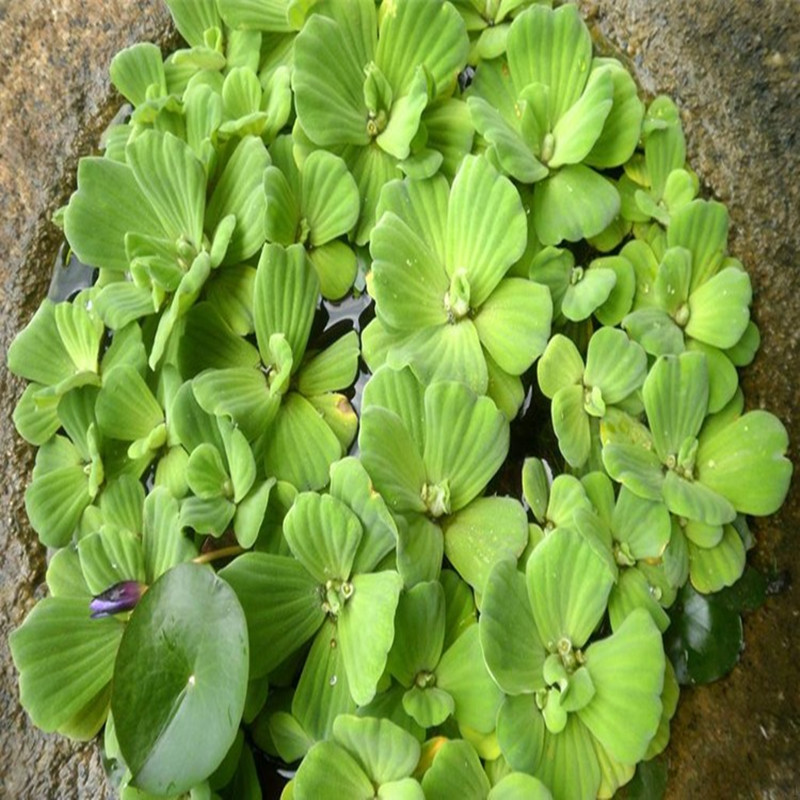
[[333, 680], [192, 680]]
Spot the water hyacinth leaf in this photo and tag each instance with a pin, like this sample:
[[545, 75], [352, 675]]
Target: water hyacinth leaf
[[466, 440], [323, 534], [240, 393], [282, 605], [514, 323], [615, 364], [163, 542], [328, 78], [621, 131], [505, 390], [754, 444], [405, 789], [577, 131], [330, 771], [259, 15], [65, 577], [744, 351], [518, 785], [137, 71], [193, 19], [289, 738], [585, 295], [643, 525], [174, 182], [351, 484], [208, 342], [695, 501], [572, 204], [37, 352], [210, 515], [207, 474], [126, 408], [301, 447], [64, 659], [399, 391], [624, 713], [35, 422], [189, 685], [636, 467], [702, 228], [620, 300], [456, 772], [571, 425], [521, 732], [450, 132], [285, 299], [719, 308], [392, 459], [676, 399], [463, 674], [239, 191], [330, 202], [655, 331], [533, 58], [420, 548], [712, 569], [81, 332], [108, 205], [121, 302], [336, 266], [560, 366], [230, 292], [535, 486], [419, 632], [282, 221], [429, 706], [109, 557], [565, 605], [408, 281], [509, 639], [512, 152], [241, 464], [705, 637], [250, 513], [723, 379], [484, 246], [322, 693], [633, 591], [332, 369], [339, 415], [366, 631], [482, 533], [54, 503]]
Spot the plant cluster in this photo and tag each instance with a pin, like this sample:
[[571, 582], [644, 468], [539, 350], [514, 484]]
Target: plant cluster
[[249, 556]]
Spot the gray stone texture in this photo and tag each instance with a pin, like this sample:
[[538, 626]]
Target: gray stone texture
[[733, 67]]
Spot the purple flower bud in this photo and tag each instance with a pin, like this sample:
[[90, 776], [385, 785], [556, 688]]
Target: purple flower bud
[[120, 597]]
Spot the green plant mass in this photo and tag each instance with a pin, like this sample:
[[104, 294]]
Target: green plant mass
[[341, 248]]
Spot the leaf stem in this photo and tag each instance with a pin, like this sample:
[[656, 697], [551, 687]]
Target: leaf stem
[[214, 555]]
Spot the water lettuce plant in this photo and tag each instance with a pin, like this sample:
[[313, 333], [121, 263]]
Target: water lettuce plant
[[342, 251]]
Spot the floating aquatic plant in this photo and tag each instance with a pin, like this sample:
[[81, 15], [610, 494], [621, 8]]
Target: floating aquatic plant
[[279, 435]]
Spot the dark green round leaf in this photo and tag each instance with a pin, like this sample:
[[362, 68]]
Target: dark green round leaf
[[180, 680]]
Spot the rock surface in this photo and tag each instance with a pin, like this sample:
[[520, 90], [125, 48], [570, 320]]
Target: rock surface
[[734, 70]]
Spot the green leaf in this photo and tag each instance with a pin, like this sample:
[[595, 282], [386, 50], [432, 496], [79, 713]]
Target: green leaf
[[54, 503], [366, 631], [301, 447], [571, 424], [429, 706], [336, 266], [484, 245], [510, 642], [174, 181], [587, 293], [108, 205], [456, 772], [333, 369], [37, 352], [695, 501], [351, 484], [180, 679], [627, 670], [329, 59], [466, 440], [705, 637], [568, 586], [282, 605], [111, 556], [730, 457], [702, 228], [138, 71], [714, 568], [330, 771], [419, 633], [560, 366], [576, 132], [719, 308], [285, 299], [636, 467], [518, 785], [250, 513], [193, 19], [126, 408], [574, 203], [552, 48], [482, 533], [162, 538], [239, 191], [462, 673], [615, 364], [676, 400], [655, 331], [64, 659], [392, 459], [633, 591], [514, 323], [34, 421], [323, 534], [420, 549], [330, 201]]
